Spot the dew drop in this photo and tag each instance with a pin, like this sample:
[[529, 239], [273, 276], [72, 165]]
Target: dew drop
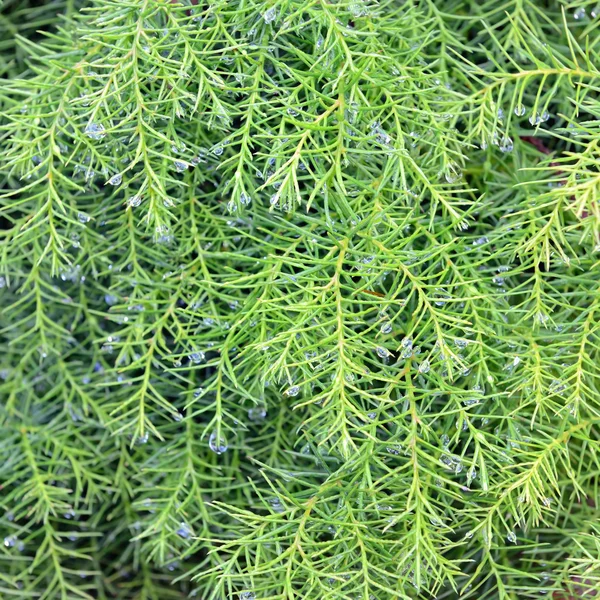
[[95, 131], [536, 119], [270, 15], [217, 443], [506, 145], [178, 149], [184, 530], [382, 352], [197, 357], [257, 413], [358, 9], [424, 367], [520, 110], [452, 173], [386, 328], [116, 179]]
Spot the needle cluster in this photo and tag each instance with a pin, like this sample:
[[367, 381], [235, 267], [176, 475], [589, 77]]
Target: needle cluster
[[300, 299]]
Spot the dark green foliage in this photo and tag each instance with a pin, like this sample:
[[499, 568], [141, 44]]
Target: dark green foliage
[[300, 300]]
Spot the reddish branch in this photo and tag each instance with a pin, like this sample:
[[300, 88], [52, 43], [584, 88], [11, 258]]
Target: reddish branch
[[539, 145]]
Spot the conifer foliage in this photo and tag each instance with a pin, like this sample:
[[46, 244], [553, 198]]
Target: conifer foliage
[[300, 299]]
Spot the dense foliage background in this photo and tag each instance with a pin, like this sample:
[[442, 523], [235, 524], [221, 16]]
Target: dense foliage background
[[300, 299]]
